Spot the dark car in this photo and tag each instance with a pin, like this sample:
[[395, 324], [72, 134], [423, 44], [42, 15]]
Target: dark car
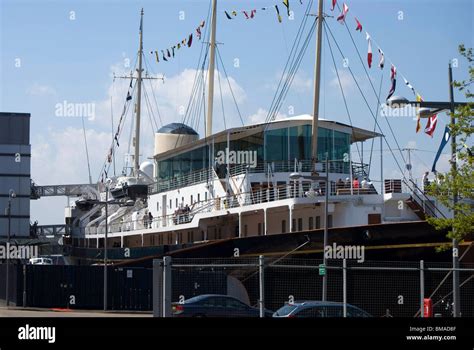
[[319, 309], [215, 305]]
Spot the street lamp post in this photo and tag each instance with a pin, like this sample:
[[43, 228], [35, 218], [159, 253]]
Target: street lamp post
[[313, 178], [427, 109], [11, 194]]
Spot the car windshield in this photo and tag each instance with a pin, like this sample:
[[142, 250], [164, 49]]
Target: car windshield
[[285, 310]]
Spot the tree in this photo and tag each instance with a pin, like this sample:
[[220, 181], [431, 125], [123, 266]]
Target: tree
[[459, 181]]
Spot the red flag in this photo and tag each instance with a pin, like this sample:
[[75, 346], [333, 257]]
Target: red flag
[[334, 2], [431, 124], [342, 16], [359, 26], [369, 51]]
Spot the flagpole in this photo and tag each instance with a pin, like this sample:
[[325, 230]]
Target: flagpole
[[139, 98], [212, 58], [317, 83]]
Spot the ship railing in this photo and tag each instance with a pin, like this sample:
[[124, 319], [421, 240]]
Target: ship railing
[[192, 178], [203, 175], [263, 193], [419, 196], [288, 166]]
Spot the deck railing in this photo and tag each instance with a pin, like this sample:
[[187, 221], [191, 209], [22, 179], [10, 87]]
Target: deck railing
[[264, 194]]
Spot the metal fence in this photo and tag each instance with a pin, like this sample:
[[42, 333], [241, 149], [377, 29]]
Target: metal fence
[[381, 288]]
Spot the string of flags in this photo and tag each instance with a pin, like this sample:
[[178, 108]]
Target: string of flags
[[250, 14], [170, 52], [432, 120]]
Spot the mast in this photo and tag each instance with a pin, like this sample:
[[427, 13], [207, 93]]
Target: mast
[[136, 158], [210, 96], [317, 81]]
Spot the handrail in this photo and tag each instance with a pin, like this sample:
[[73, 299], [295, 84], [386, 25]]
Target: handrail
[[294, 189], [425, 200], [305, 165]]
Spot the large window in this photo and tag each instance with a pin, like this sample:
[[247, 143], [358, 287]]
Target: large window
[[277, 145]]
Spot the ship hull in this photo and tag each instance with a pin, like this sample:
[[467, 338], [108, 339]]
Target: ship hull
[[393, 241]]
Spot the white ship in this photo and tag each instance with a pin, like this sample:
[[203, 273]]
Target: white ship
[[258, 180]]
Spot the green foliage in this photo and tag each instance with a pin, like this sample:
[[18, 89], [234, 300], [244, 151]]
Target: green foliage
[[459, 181]]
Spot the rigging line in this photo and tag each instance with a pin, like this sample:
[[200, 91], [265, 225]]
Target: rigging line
[[220, 91], [150, 115], [230, 86], [372, 85], [292, 62], [204, 49], [293, 72], [367, 104], [376, 116], [112, 146], [296, 61], [289, 59], [289, 76], [283, 34], [190, 107], [112, 126], [150, 81], [378, 46], [87, 150], [126, 106], [156, 103], [342, 89]]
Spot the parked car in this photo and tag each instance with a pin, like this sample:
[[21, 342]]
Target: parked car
[[319, 309], [40, 261], [215, 305]]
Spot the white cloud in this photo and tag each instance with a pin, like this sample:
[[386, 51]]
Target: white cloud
[[60, 158], [300, 82], [347, 81], [261, 115], [40, 90], [172, 97]]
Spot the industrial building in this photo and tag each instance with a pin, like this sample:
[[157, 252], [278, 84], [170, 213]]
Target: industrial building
[[15, 174]]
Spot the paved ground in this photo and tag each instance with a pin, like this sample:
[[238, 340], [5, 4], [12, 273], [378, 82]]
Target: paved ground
[[14, 312]]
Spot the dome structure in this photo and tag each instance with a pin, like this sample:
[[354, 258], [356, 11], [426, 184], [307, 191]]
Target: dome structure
[[172, 136], [177, 128]]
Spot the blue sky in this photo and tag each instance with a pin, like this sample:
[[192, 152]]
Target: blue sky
[[73, 60]]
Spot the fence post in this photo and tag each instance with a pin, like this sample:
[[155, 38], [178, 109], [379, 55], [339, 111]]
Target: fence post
[[167, 286], [261, 266], [422, 287], [24, 285], [157, 288], [344, 286]]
